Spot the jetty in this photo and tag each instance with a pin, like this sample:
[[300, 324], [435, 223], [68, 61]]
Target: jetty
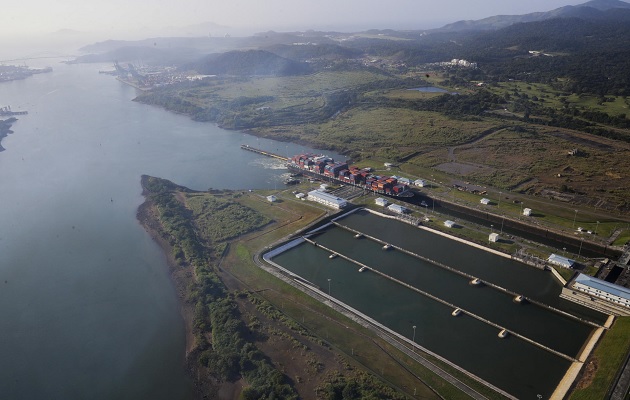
[[263, 152], [6, 112]]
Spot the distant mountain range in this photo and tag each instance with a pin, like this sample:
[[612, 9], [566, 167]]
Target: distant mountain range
[[595, 9]]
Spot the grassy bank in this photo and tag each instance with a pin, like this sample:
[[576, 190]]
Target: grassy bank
[[601, 368]]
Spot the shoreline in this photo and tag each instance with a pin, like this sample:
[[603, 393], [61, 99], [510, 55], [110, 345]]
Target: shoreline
[[180, 277], [5, 129]]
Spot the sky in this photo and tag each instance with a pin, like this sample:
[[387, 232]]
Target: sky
[[112, 17]]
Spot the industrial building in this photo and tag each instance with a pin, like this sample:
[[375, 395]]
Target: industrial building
[[381, 202], [326, 199], [397, 209], [598, 294], [560, 261]]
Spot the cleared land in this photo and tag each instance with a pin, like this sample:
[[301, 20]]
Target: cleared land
[[370, 116]]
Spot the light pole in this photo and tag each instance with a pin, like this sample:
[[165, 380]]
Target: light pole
[[328, 286], [574, 218], [491, 228], [499, 205], [502, 221], [596, 226], [413, 338], [580, 251], [564, 250]]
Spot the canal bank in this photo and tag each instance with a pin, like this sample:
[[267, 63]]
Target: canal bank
[[526, 229]]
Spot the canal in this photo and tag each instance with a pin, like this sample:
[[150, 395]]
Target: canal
[[512, 364]]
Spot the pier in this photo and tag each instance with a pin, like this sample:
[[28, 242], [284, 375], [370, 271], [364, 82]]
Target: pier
[[263, 152], [435, 298]]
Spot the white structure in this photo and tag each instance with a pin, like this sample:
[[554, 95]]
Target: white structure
[[485, 201], [527, 211], [560, 261], [323, 187], [300, 195], [449, 223], [272, 198], [381, 202], [420, 182], [494, 237], [598, 294], [397, 209], [406, 181], [326, 199]]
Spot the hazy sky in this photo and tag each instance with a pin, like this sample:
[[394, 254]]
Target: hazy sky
[[37, 16]]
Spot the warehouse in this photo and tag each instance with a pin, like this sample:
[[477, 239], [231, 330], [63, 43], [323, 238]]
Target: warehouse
[[326, 199]]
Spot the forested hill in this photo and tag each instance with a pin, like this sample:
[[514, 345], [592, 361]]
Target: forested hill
[[248, 63], [593, 56], [594, 9]]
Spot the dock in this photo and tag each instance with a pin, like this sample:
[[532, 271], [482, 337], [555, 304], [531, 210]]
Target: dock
[[263, 152]]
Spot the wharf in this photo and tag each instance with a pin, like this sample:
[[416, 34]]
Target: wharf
[[263, 152]]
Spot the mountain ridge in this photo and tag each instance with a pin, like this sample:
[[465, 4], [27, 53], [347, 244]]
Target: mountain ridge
[[594, 9]]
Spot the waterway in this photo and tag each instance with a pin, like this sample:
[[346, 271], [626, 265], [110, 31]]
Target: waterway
[[514, 365], [87, 307]]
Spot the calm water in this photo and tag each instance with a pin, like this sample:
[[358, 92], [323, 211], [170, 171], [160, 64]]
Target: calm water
[[88, 311], [514, 365]]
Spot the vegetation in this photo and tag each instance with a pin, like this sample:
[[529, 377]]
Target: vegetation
[[516, 104], [226, 352], [601, 368], [233, 340], [5, 128]]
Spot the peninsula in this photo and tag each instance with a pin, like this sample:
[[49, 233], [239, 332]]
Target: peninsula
[[5, 129]]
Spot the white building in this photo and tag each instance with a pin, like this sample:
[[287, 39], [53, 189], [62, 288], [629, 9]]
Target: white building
[[406, 181], [449, 223], [397, 209], [381, 202], [485, 201], [420, 182], [494, 237], [560, 261], [300, 195], [527, 211], [327, 199], [598, 294], [272, 198]]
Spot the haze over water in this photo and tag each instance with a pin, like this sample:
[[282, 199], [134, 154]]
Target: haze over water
[[87, 307]]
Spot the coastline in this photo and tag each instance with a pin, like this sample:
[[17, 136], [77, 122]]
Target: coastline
[[181, 277], [5, 129]]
